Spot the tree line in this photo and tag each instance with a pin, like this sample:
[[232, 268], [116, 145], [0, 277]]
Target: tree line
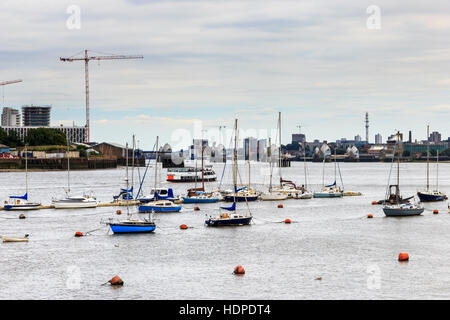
[[34, 137]]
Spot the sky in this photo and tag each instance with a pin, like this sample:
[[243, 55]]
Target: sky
[[322, 64]]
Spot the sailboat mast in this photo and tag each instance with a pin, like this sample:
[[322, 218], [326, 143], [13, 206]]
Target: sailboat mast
[[203, 175], [304, 163], [428, 157], [132, 169], [26, 170], [437, 170], [235, 156], [126, 179], [279, 148], [156, 162], [270, 164], [398, 162], [335, 163], [68, 168]]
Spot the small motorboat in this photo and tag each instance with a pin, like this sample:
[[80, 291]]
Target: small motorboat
[[201, 197], [15, 239], [304, 195]]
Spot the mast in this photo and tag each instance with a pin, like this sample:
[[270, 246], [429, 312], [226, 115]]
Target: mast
[[398, 161], [437, 170], [249, 170], [126, 179], [203, 175], [132, 170], [279, 148], [235, 156], [304, 164], [270, 165], [156, 162], [428, 157], [68, 169], [26, 169], [335, 164]]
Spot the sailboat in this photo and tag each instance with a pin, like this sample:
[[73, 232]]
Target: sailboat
[[331, 190], [158, 204], [73, 202], [396, 206], [198, 195], [127, 194], [131, 225], [21, 202], [431, 195], [272, 195], [233, 218], [305, 193], [286, 187]]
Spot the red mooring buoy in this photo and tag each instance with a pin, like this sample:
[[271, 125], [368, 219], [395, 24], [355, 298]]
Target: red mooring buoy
[[119, 212], [287, 221], [183, 227], [239, 270], [116, 281], [79, 234], [369, 216], [280, 206], [403, 257], [374, 202], [435, 211], [196, 208]]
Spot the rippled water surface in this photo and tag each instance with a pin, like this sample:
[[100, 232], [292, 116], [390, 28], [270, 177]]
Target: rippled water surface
[[356, 257]]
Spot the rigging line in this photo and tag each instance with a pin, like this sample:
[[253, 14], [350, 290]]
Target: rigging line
[[145, 173], [389, 177], [340, 176]]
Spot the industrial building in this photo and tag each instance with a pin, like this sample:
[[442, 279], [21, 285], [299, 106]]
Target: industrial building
[[10, 117], [36, 116]]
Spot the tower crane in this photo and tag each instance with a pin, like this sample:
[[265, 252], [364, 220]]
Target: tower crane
[[86, 60]]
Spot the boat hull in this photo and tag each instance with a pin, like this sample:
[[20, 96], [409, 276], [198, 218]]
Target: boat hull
[[123, 228], [426, 197], [73, 205], [13, 239], [396, 212], [200, 200], [228, 222], [327, 195], [29, 206], [240, 198], [147, 209], [273, 197]]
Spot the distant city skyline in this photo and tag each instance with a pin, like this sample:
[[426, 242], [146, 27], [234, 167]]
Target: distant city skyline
[[317, 62]]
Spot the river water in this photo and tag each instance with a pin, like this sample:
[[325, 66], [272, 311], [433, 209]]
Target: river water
[[331, 239]]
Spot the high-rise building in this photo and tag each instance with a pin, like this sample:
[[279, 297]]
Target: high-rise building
[[36, 116], [262, 147], [10, 117], [435, 137], [250, 148], [378, 139]]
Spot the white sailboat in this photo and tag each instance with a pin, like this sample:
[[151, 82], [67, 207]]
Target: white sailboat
[[396, 206], [429, 195], [272, 195], [21, 202], [73, 202], [332, 190]]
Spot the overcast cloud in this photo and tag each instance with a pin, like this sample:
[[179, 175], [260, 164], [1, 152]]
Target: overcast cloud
[[315, 61]]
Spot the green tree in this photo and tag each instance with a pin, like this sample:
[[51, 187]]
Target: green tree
[[45, 136]]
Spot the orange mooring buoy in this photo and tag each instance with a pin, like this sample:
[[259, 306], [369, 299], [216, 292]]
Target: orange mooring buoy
[[119, 212], [403, 257], [78, 234], [196, 208], [374, 202], [435, 211], [287, 221], [280, 206], [116, 281], [369, 216], [239, 270], [183, 227]]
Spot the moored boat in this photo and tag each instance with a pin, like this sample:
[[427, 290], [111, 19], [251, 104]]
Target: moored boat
[[75, 202], [15, 239]]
